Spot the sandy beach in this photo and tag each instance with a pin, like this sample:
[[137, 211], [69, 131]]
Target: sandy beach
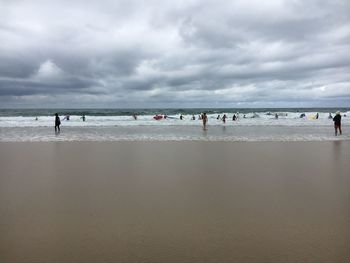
[[175, 202]]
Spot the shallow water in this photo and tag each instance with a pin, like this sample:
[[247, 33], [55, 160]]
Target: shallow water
[[218, 132]]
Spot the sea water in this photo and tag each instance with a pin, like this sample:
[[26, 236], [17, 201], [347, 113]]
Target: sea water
[[119, 124]]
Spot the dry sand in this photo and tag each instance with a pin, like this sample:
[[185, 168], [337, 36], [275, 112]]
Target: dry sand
[[175, 202]]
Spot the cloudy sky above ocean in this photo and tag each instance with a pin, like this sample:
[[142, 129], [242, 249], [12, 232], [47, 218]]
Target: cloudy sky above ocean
[[128, 53]]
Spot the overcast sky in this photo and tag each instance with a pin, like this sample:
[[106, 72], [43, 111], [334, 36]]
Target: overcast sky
[[220, 53]]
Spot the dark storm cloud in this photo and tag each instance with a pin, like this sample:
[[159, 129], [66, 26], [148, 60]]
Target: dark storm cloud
[[167, 53]]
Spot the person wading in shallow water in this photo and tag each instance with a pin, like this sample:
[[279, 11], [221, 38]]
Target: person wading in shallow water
[[224, 118], [57, 123], [204, 120], [337, 123]]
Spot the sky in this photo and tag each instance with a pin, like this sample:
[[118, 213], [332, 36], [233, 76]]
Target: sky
[[203, 53]]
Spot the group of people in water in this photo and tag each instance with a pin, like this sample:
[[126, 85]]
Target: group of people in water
[[58, 121], [204, 118]]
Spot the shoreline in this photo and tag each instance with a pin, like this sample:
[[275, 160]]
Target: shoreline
[[175, 133]]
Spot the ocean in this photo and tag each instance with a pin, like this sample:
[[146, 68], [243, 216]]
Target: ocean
[[258, 124]]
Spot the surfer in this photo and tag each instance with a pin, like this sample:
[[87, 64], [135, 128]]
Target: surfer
[[302, 115], [276, 116], [83, 117], [337, 123], [218, 117], [330, 116], [66, 118], [234, 117], [204, 120], [316, 117], [134, 116], [181, 117], [193, 117], [57, 123], [36, 118]]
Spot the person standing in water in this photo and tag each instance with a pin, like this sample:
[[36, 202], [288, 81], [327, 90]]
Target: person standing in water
[[83, 117], [234, 117], [181, 117], [224, 118], [204, 120], [57, 123], [337, 123]]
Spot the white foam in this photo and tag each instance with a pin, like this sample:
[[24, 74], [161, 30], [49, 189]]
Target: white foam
[[285, 119]]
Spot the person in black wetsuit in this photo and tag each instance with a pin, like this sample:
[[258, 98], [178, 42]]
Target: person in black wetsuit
[[224, 118], [57, 123], [337, 123]]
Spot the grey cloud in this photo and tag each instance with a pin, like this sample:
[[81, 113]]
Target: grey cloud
[[198, 53]]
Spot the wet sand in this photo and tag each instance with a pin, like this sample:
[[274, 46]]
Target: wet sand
[[175, 202]]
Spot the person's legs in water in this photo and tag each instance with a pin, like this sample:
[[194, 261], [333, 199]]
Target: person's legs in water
[[336, 127]]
